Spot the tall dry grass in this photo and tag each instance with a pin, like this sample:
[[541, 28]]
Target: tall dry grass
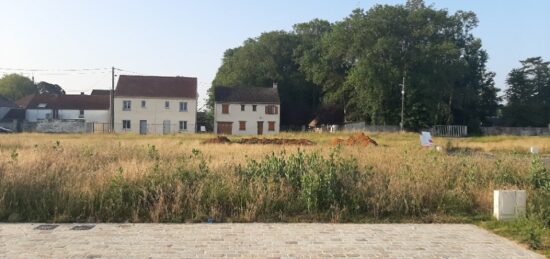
[[118, 178]]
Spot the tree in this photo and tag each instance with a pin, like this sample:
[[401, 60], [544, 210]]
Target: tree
[[47, 88], [260, 62], [14, 86], [359, 63], [528, 94]]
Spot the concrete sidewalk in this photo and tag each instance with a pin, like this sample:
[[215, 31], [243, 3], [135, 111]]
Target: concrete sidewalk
[[255, 240]]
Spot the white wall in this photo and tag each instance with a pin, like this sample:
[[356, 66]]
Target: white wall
[[235, 115], [155, 114], [99, 116], [33, 115]]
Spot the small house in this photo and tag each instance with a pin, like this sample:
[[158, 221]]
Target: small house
[[246, 111]]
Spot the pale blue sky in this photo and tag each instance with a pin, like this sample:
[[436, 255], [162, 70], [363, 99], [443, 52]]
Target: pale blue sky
[[188, 38]]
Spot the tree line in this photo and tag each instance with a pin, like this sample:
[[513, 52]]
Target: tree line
[[15, 87], [359, 63]]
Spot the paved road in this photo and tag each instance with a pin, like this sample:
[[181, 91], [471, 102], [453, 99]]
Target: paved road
[[256, 241]]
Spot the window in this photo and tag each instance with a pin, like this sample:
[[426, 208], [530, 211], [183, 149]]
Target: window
[[126, 105], [41, 105], [183, 106], [143, 104], [183, 125], [242, 125], [126, 125], [271, 126], [242, 107], [167, 105], [225, 108], [271, 109], [254, 108], [81, 114]]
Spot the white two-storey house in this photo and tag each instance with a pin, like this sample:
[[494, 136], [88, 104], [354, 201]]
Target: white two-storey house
[[246, 111], [155, 104]]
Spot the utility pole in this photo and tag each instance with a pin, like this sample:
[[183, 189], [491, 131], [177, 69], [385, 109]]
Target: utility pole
[[402, 101], [403, 50], [112, 100]]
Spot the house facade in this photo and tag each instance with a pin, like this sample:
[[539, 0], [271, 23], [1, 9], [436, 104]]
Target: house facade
[[87, 108], [246, 111], [155, 104]]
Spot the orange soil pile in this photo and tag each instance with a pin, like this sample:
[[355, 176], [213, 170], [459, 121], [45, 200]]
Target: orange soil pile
[[217, 140], [359, 139], [275, 141]]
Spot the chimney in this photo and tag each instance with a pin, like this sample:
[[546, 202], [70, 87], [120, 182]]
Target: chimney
[[274, 85]]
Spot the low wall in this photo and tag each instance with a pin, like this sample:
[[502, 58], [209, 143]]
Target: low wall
[[517, 131], [61, 127], [362, 126]]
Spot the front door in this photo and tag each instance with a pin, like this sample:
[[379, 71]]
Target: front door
[[260, 127], [142, 127], [166, 127], [225, 128]]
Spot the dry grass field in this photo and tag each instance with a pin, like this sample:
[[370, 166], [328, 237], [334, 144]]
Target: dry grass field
[[130, 178]]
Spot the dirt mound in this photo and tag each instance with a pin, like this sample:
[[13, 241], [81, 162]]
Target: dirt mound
[[261, 141], [217, 140], [359, 139], [275, 141]]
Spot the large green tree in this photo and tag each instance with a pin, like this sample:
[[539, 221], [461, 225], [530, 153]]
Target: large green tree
[[528, 94], [359, 63], [14, 86]]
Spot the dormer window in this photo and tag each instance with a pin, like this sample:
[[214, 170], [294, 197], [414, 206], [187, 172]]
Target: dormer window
[[42, 105]]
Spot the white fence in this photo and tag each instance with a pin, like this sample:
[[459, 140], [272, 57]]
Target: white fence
[[450, 131]]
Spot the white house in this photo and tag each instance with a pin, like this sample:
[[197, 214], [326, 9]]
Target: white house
[[155, 104], [246, 111], [88, 108]]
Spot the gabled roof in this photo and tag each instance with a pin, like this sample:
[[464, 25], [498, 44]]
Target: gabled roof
[[65, 102], [4, 102], [156, 86], [100, 92], [246, 95]]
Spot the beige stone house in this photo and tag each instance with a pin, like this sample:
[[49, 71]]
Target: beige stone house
[[246, 111], [155, 104]]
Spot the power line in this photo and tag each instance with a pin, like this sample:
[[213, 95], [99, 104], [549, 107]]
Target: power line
[[51, 70]]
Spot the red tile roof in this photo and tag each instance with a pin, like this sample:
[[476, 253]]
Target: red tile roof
[[156, 86], [65, 102]]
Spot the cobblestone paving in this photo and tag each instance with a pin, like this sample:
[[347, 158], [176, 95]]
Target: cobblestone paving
[[257, 241]]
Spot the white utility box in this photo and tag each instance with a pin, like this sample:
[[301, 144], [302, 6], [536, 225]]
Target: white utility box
[[509, 205]]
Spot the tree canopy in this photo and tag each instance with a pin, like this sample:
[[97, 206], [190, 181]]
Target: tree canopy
[[528, 94], [358, 64], [15, 87]]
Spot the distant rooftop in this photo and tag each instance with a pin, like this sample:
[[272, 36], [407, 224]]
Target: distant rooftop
[[156, 86], [246, 94]]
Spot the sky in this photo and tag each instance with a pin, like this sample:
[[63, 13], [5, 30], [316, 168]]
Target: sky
[[75, 43]]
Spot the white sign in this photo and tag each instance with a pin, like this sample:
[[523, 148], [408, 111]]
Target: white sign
[[203, 128], [426, 139]]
